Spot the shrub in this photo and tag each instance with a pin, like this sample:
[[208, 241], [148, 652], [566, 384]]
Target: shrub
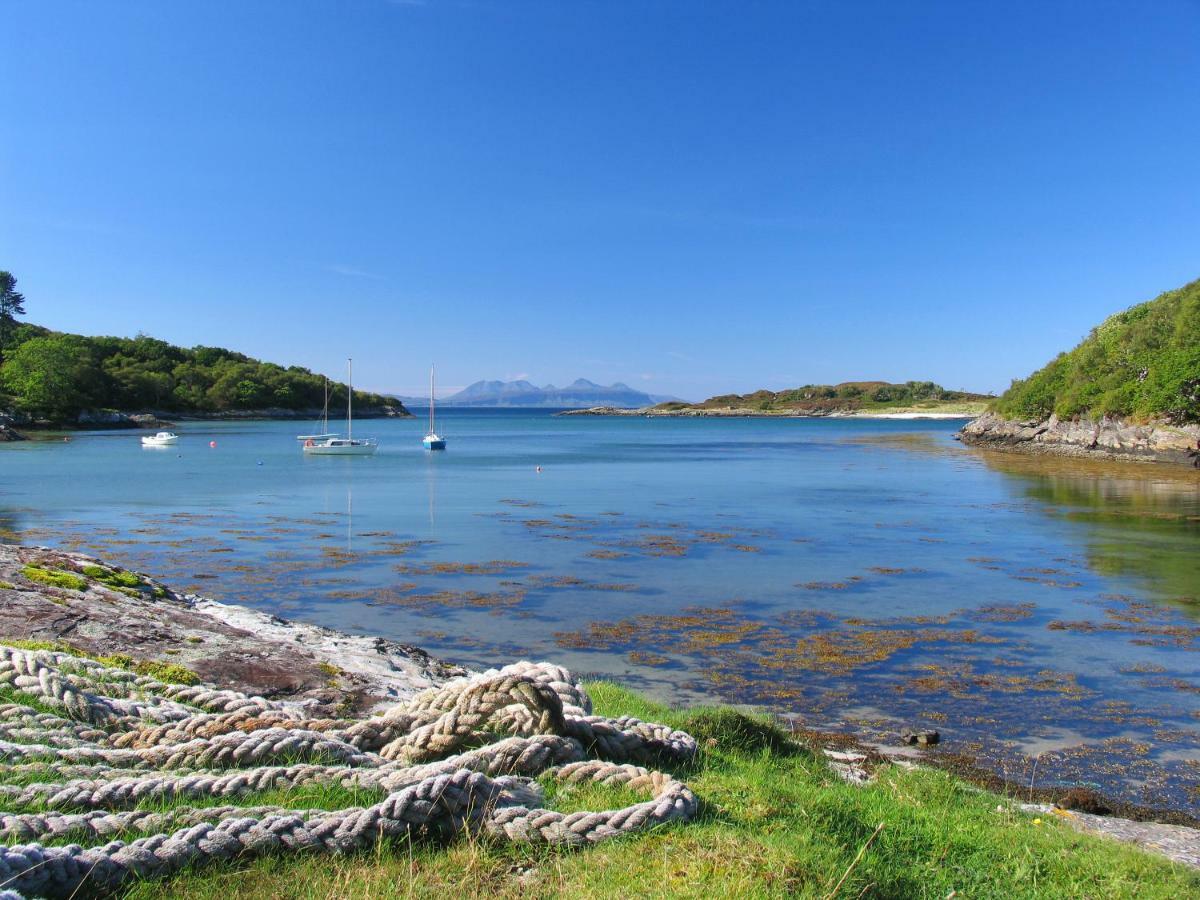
[[1142, 363]]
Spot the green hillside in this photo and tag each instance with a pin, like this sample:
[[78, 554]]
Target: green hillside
[[55, 376], [1141, 364]]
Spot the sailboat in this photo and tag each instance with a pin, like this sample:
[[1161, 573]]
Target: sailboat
[[432, 440], [343, 446], [325, 434]]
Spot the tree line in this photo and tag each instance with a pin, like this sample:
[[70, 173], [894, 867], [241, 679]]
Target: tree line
[[56, 376]]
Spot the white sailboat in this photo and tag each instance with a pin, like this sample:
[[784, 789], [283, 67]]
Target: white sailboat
[[343, 446], [432, 440], [325, 434]]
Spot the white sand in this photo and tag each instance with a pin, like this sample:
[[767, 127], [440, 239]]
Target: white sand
[[913, 415]]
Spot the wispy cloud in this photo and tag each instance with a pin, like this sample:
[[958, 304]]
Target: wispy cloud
[[519, 376], [677, 355], [352, 272]]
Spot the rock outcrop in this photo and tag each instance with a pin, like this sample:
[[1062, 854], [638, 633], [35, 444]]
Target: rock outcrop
[[76, 600], [1107, 438]]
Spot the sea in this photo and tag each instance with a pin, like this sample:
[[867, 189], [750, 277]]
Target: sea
[[851, 575]]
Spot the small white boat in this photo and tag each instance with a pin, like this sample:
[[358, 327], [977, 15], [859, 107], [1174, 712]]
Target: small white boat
[[162, 439], [432, 440], [335, 445]]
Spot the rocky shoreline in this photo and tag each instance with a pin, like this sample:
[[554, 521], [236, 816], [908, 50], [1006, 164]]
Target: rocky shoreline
[[1106, 438], [72, 599]]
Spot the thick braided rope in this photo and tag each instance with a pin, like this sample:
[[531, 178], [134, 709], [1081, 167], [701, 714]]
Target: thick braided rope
[[512, 756], [125, 740], [109, 697]]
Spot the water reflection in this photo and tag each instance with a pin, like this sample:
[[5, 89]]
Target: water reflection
[[1139, 522]]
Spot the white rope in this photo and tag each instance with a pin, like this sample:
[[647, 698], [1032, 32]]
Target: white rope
[[453, 758]]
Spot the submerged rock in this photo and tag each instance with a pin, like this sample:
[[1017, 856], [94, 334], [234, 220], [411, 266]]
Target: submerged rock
[[925, 738], [1083, 800]]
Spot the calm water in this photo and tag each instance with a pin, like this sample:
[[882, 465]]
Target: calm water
[[866, 574]]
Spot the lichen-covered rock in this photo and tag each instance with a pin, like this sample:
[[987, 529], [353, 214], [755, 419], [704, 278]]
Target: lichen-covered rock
[[1106, 438], [56, 596]]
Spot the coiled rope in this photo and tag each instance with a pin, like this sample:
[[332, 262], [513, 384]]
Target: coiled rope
[[456, 758]]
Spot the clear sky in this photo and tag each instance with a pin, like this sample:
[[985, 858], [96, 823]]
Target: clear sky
[[692, 197]]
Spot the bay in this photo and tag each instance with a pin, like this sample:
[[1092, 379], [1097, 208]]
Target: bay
[[852, 574]]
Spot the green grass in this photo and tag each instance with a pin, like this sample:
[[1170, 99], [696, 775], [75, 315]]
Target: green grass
[[112, 577], [55, 578], [9, 694], [775, 821]]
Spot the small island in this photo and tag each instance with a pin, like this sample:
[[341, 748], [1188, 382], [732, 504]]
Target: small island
[[867, 399]]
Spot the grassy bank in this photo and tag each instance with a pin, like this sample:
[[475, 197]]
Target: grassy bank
[[776, 821]]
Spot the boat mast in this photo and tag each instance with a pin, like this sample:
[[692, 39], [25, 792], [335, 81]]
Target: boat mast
[[431, 400], [325, 409], [349, 398]]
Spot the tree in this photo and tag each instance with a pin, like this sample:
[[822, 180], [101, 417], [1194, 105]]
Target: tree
[[12, 304], [54, 376]]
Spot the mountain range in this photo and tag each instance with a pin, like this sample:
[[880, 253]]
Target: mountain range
[[579, 394]]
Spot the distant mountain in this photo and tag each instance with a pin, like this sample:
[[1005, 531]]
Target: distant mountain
[[579, 394]]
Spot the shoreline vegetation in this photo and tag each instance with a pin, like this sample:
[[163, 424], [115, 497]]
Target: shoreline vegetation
[[874, 399], [805, 814], [52, 379], [1130, 391], [105, 419]]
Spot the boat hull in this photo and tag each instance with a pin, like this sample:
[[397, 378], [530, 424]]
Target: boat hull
[[434, 443], [344, 449]]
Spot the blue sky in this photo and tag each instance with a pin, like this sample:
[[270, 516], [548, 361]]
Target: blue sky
[[690, 197]]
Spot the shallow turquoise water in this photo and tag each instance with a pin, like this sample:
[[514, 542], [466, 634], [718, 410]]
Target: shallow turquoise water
[[870, 574]]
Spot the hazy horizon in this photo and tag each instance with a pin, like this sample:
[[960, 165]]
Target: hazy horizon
[[689, 199]]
